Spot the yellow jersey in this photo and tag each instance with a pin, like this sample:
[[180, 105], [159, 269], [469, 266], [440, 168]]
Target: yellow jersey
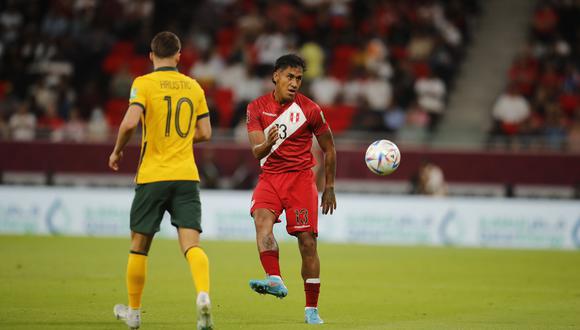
[[172, 103]]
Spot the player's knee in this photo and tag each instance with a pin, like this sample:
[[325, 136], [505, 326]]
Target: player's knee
[[264, 221], [307, 243]]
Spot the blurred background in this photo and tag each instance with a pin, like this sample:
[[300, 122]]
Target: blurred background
[[482, 97]]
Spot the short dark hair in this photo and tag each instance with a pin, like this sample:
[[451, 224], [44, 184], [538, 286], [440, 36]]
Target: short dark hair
[[165, 44], [289, 60]]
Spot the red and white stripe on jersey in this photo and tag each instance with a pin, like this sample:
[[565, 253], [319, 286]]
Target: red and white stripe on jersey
[[297, 121], [288, 123]]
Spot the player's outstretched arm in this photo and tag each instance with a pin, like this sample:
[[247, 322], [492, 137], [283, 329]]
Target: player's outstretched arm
[[262, 144], [126, 130], [202, 130], [326, 142]]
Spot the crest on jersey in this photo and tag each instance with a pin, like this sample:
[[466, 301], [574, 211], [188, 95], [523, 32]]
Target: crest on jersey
[[294, 117]]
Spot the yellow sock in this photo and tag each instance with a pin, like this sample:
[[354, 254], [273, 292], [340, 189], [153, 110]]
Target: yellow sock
[[136, 274], [199, 266]]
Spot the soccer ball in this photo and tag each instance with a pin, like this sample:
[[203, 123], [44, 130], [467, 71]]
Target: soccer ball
[[383, 157]]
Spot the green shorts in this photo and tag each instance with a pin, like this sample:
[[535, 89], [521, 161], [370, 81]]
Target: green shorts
[[179, 198]]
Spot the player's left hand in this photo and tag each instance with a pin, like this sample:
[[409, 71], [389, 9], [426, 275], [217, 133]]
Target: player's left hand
[[328, 203], [114, 160]]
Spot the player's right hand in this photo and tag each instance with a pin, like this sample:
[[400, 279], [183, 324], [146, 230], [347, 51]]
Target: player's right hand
[[114, 160], [272, 136]]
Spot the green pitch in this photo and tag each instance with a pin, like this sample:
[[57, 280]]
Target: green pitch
[[73, 283]]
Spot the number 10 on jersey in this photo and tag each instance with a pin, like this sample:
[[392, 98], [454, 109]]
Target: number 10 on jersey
[[178, 107]]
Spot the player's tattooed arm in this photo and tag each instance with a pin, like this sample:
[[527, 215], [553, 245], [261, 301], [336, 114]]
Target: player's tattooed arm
[[326, 142], [262, 143]]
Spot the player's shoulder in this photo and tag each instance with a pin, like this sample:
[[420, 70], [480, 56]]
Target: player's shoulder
[[144, 80], [306, 103]]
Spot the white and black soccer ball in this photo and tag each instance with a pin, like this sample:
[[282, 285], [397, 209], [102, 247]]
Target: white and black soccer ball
[[383, 157]]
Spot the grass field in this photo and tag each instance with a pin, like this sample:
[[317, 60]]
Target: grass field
[[72, 283]]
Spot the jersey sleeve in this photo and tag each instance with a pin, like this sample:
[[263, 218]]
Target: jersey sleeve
[[253, 118], [201, 110], [318, 123], [138, 93]]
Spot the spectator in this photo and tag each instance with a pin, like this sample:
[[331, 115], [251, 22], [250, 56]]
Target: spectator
[[394, 118], [22, 124], [376, 59], [510, 111], [524, 72], [313, 55], [377, 92], [429, 180], [44, 95], [421, 45], [546, 74], [325, 90], [352, 88], [50, 124], [98, 128], [60, 50], [431, 94], [269, 46], [75, 129], [207, 70], [231, 75]]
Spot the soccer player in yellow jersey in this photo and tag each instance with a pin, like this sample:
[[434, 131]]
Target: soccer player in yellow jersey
[[174, 116]]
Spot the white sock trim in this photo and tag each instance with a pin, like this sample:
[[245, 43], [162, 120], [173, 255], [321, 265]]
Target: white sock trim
[[313, 280], [308, 308], [275, 276]]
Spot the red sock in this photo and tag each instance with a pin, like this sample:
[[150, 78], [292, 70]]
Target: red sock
[[312, 290], [270, 262]]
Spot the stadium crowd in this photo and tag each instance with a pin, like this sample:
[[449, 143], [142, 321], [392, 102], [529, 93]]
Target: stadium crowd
[[66, 66], [541, 104]]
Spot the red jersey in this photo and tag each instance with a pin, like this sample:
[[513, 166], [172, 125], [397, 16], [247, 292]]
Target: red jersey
[[297, 121]]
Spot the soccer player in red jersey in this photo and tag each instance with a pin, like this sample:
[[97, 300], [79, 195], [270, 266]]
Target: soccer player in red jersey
[[280, 128]]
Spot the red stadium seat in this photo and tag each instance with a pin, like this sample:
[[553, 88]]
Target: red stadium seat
[[224, 102], [115, 110], [140, 65], [118, 56]]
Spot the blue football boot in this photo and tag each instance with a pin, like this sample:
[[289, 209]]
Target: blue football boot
[[271, 285], [311, 316]]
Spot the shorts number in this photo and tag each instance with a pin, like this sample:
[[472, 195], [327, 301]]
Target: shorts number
[[282, 130], [180, 102], [301, 216]]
